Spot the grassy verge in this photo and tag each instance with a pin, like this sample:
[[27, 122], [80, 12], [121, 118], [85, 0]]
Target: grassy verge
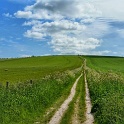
[[25, 103], [80, 97], [107, 94]]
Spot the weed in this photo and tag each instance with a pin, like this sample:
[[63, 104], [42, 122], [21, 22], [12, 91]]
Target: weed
[[106, 90]]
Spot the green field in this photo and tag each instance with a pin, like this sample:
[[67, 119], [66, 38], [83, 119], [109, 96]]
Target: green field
[[24, 102], [28, 103], [105, 77], [106, 63], [34, 68]]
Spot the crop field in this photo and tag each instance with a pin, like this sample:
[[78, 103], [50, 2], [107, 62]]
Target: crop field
[[106, 85], [34, 68]]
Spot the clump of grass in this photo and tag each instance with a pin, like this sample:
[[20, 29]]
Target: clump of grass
[[82, 101], [107, 94], [23, 103]]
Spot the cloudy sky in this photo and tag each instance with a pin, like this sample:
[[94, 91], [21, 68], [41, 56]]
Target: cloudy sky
[[50, 27]]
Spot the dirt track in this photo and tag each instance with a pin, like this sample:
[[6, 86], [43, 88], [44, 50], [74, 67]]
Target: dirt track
[[60, 112], [89, 116]]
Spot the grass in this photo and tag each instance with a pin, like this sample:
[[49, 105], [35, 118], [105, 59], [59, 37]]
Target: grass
[[106, 89], [80, 105], [106, 63], [34, 68], [26, 103]]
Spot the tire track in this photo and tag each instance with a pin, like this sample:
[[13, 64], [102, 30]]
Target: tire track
[[89, 116], [60, 112]]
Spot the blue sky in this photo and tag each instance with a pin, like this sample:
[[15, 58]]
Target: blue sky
[[48, 27]]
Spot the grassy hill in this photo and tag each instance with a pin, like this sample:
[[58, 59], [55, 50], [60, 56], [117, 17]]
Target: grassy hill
[[29, 103], [34, 68], [26, 103]]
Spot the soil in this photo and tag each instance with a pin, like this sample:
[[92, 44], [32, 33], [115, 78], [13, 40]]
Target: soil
[[89, 116]]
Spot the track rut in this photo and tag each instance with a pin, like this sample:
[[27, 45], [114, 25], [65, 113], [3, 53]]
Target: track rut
[[60, 112]]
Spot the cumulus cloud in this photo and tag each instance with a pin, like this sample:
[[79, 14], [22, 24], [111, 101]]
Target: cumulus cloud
[[71, 45], [22, 14], [71, 25], [34, 34], [52, 28], [58, 9]]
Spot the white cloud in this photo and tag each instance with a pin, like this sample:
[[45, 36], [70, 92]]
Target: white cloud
[[7, 15], [58, 9], [87, 20], [25, 56], [34, 34], [22, 14], [105, 52], [31, 23], [113, 9], [97, 29], [65, 27], [71, 25], [71, 45], [47, 55]]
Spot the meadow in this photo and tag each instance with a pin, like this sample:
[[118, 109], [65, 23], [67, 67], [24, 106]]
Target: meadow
[[25, 102], [106, 85]]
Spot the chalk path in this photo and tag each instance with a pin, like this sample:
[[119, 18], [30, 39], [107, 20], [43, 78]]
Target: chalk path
[[60, 112]]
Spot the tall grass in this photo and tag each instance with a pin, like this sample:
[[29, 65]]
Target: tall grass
[[107, 94], [24, 103]]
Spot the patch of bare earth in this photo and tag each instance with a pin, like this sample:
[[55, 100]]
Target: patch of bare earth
[[60, 112], [89, 116]]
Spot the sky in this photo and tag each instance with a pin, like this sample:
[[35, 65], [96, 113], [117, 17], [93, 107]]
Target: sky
[[57, 27]]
